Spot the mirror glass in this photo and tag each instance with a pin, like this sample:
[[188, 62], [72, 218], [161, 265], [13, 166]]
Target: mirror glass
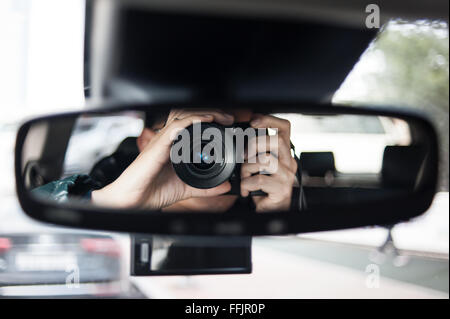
[[214, 161]]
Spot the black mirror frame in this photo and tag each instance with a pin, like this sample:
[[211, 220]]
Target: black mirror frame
[[239, 223]]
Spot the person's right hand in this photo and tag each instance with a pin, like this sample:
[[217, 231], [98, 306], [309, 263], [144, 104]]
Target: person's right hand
[[150, 181]]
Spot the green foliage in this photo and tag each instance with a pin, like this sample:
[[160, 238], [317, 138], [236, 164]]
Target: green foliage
[[407, 65]]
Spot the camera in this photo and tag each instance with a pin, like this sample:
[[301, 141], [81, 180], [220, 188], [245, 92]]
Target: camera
[[206, 155]]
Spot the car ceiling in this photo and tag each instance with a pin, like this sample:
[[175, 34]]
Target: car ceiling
[[238, 50], [348, 12]]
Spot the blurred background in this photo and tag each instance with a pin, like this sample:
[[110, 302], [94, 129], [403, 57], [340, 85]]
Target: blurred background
[[41, 71]]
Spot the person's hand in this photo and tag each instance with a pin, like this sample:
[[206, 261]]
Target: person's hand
[[265, 158], [150, 181]]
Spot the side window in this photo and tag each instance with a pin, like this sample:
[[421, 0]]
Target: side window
[[406, 65], [96, 137]]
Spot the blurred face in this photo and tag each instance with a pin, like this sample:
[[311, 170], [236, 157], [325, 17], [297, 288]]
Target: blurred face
[[217, 203]]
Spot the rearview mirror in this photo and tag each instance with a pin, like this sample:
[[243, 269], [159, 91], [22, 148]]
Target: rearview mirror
[[268, 169]]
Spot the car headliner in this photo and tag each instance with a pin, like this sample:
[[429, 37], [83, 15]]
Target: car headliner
[[231, 50]]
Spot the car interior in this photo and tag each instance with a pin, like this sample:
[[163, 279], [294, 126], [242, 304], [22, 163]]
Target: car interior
[[152, 182]]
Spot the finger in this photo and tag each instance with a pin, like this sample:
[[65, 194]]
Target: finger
[[269, 143], [219, 116], [265, 164], [260, 145], [209, 192], [257, 182], [269, 121], [158, 150], [276, 184], [171, 131], [283, 131], [266, 204]]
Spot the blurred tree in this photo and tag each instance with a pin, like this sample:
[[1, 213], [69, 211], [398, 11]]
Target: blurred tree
[[406, 65]]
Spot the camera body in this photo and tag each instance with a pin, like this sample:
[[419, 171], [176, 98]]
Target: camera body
[[214, 155]]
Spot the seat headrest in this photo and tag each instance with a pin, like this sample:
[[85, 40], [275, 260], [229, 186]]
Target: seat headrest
[[401, 165], [317, 164]]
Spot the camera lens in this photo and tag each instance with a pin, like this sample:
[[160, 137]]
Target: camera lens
[[204, 170], [202, 160]]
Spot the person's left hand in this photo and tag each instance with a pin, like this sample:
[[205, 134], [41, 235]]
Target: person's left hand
[[276, 161]]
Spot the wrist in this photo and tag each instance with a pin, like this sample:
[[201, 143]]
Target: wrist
[[107, 197]]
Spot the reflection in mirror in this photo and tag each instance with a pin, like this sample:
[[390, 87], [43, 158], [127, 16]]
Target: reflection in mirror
[[217, 161], [350, 159]]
